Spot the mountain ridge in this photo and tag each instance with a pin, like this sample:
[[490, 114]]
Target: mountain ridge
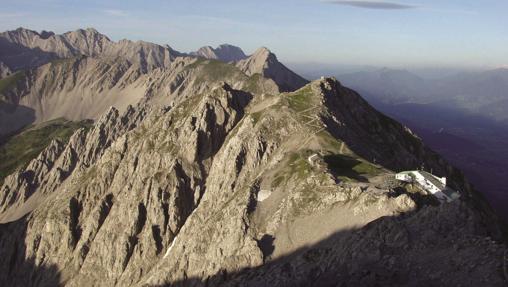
[[28, 49], [87, 42]]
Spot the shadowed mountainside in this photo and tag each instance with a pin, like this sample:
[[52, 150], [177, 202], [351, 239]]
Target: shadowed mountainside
[[35, 272]]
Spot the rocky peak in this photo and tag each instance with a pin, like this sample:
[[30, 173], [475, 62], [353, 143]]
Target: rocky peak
[[22, 30], [229, 53], [92, 30], [205, 52], [262, 53], [265, 63], [20, 35], [46, 34], [89, 33], [225, 52]]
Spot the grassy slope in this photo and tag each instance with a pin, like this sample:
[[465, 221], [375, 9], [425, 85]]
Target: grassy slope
[[346, 167], [214, 71], [20, 149]]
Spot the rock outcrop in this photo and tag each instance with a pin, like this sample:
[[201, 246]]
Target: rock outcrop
[[172, 196], [4, 70], [265, 63]]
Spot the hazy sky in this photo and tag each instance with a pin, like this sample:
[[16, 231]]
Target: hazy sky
[[408, 33]]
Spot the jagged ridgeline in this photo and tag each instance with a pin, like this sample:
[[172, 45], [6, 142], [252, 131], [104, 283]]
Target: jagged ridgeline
[[207, 173]]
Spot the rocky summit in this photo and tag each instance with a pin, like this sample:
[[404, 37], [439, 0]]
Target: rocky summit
[[206, 171]]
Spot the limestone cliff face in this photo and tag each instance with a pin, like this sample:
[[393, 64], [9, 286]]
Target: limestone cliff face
[[231, 187], [24, 190]]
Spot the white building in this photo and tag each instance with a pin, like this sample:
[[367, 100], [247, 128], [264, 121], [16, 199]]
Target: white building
[[313, 158], [430, 183]]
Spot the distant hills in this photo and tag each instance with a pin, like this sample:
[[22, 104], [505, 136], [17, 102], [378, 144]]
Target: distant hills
[[484, 93]]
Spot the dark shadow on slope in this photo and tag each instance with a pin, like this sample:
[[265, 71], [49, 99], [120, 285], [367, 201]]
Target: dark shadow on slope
[[342, 165], [18, 57], [417, 197], [15, 268], [209, 142], [266, 244], [433, 248], [13, 119]]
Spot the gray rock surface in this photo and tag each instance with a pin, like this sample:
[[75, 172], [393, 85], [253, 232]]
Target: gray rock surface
[[167, 195], [4, 70]]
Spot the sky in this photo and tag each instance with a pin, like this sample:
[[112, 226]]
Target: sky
[[398, 33]]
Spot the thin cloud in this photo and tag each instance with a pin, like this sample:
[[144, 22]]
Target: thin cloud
[[13, 15], [382, 5], [116, 13]]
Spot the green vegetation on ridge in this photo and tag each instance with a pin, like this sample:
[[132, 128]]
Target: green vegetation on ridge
[[214, 71], [301, 99], [20, 149]]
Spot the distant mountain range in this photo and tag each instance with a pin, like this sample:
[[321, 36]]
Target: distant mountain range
[[79, 74], [23, 48], [482, 93]]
